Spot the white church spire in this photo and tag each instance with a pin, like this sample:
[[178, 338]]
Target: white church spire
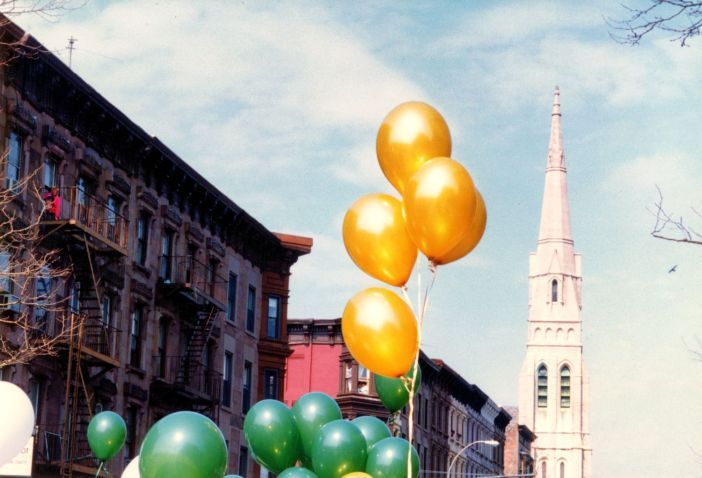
[[553, 382]]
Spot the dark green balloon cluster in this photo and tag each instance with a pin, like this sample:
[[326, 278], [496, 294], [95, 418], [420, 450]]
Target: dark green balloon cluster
[[314, 435]]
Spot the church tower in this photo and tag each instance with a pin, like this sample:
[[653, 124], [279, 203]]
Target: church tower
[[553, 383]]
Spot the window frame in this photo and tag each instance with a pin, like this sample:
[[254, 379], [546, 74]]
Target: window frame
[[251, 309], [142, 238], [269, 373], [136, 321], [227, 367], [14, 160], [232, 286], [273, 322], [565, 386], [246, 386]]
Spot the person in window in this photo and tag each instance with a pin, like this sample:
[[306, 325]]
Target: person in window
[[48, 199]]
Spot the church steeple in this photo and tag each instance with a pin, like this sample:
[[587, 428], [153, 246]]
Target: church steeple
[[555, 213], [553, 385]]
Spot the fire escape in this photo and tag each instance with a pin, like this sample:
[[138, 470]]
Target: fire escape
[[188, 380], [93, 239]]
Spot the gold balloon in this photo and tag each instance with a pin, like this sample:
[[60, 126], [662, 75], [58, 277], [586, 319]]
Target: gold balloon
[[439, 205], [381, 332], [410, 135], [376, 239], [357, 474], [468, 243]]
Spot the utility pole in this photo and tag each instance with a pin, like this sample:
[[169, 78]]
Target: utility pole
[[70, 48]]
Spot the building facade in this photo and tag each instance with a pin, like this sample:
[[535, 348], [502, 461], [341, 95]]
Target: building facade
[[553, 385], [179, 295], [518, 441], [449, 412]]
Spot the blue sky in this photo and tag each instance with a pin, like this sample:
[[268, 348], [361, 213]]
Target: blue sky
[[278, 104]]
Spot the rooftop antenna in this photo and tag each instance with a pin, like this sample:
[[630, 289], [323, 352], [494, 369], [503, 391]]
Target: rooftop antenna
[[70, 48]]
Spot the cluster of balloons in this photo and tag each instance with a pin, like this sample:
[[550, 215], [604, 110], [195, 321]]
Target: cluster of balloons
[[440, 213], [17, 419], [314, 436], [183, 445]]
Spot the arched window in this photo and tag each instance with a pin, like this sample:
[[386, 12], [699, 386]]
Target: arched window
[[543, 468], [542, 386], [565, 387], [554, 290], [562, 470]]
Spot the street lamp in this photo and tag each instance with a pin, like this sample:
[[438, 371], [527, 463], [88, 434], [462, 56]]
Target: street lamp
[[460, 452]]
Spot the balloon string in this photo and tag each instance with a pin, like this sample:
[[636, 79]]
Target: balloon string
[[420, 319], [102, 463], [405, 296]]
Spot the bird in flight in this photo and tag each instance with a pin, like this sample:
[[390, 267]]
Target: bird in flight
[[673, 269]]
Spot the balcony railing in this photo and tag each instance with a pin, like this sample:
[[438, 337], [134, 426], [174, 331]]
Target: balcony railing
[[75, 205], [192, 274], [52, 449], [191, 375], [100, 337]]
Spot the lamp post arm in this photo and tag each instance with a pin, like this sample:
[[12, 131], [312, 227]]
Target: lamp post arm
[[460, 452]]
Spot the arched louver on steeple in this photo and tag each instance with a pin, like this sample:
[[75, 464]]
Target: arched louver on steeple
[[542, 386], [565, 387], [554, 290]]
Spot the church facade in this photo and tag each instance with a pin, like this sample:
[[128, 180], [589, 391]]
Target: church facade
[[553, 383]]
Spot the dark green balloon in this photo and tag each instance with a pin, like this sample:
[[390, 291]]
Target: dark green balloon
[[388, 459], [339, 449], [270, 430], [392, 391], [312, 411], [373, 429], [106, 434], [183, 445], [297, 473]]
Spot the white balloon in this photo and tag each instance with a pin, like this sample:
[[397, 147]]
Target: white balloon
[[132, 469], [17, 419]]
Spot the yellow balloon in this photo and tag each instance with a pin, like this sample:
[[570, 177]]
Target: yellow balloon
[[376, 239], [410, 135], [381, 332], [468, 243], [439, 205], [357, 474]]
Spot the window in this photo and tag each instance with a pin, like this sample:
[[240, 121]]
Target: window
[[14, 161], [142, 238], [130, 442], [565, 387], [35, 396], [5, 374], [243, 461], [246, 395], [50, 172], [554, 290], [227, 380], [8, 301], [211, 277], [231, 298], [135, 336], [270, 377], [348, 376], [542, 386], [251, 309], [562, 470], [162, 347], [363, 379], [106, 310], [43, 292], [273, 320], [543, 469], [166, 270]]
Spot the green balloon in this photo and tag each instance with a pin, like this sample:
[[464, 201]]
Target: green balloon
[[312, 411], [106, 434], [183, 445], [388, 459], [392, 391], [339, 449], [297, 473], [270, 430], [373, 429]]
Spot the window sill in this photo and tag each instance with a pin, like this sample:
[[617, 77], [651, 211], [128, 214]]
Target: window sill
[[143, 269], [136, 371]]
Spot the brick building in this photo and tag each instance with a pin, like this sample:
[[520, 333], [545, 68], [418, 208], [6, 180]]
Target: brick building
[[449, 412], [518, 440], [181, 294]]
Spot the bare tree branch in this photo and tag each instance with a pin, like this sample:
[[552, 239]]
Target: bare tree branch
[[681, 18], [670, 228], [34, 317]]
